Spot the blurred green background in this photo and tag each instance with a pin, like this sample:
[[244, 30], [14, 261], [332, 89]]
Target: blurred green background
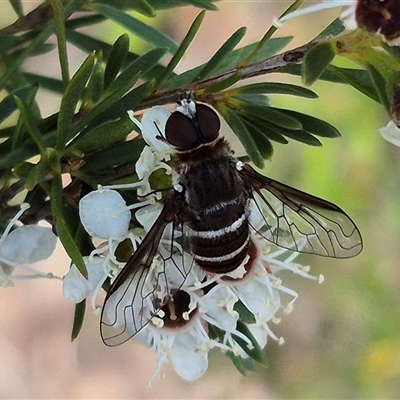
[[342, 339]]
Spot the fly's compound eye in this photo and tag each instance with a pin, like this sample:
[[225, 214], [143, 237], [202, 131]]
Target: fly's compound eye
[[208, 123], [180, 131], [186, 133]]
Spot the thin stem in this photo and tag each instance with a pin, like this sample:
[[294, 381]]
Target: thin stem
[[263, 67]]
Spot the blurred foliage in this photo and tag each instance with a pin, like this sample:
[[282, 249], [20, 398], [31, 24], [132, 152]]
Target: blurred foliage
[[86, 140]]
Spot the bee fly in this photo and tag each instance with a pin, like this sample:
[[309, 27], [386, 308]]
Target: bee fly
[[218, 208]]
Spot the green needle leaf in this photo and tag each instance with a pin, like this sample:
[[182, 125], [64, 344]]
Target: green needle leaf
[[84, 21], [79, 317], [239, 363], [140, 66], [358, 78], [95, 86], [144, 8], [316, 61], [299, 134], [274, 87], [262, 140], [104, 135], [37, 174], [267, 36], [223, 84], [256, 353], [116, 59], [17, 7], [206, 4], [265, 128], [314, 125], [270, 114], [380, 87], [240, 128], [181, 50], [302, 136], [87, 43], [73, 93], [333, 29], [245, 314], [122, 153], [30, 123]]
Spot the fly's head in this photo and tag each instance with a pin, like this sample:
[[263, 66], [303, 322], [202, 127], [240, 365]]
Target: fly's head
[[192, 126]]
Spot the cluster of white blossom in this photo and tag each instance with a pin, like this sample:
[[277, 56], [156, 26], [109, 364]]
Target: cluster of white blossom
[[206, 303], [206, 311], [23, 246]]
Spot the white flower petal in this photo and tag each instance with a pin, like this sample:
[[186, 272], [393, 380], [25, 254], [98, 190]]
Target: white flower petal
[[219, 302], [153, 125], [146, 163], [391, 133], [104, 214], [75, 287], [28, 244], [147, 215], [260, 301], [189, 360]]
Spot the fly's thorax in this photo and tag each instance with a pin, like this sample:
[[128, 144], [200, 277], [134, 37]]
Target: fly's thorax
[[182, 160], [209, 177]]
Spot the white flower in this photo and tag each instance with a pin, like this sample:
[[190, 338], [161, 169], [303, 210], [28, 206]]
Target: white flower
[[147, 215], [391, 133], [158, 152], [257, 292], [179, 332], [259, 289], [104, 214], [25, 245], [153, 125], [76, 287], [184, 340]]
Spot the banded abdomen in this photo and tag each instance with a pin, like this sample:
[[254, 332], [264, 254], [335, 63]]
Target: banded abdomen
[[215, 197]]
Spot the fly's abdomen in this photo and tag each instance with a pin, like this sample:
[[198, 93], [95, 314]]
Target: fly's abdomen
[[223, 248], [216, 198]]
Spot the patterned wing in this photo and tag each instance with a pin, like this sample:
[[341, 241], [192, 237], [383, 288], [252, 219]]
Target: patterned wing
[[299, 221], [147, 282]]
